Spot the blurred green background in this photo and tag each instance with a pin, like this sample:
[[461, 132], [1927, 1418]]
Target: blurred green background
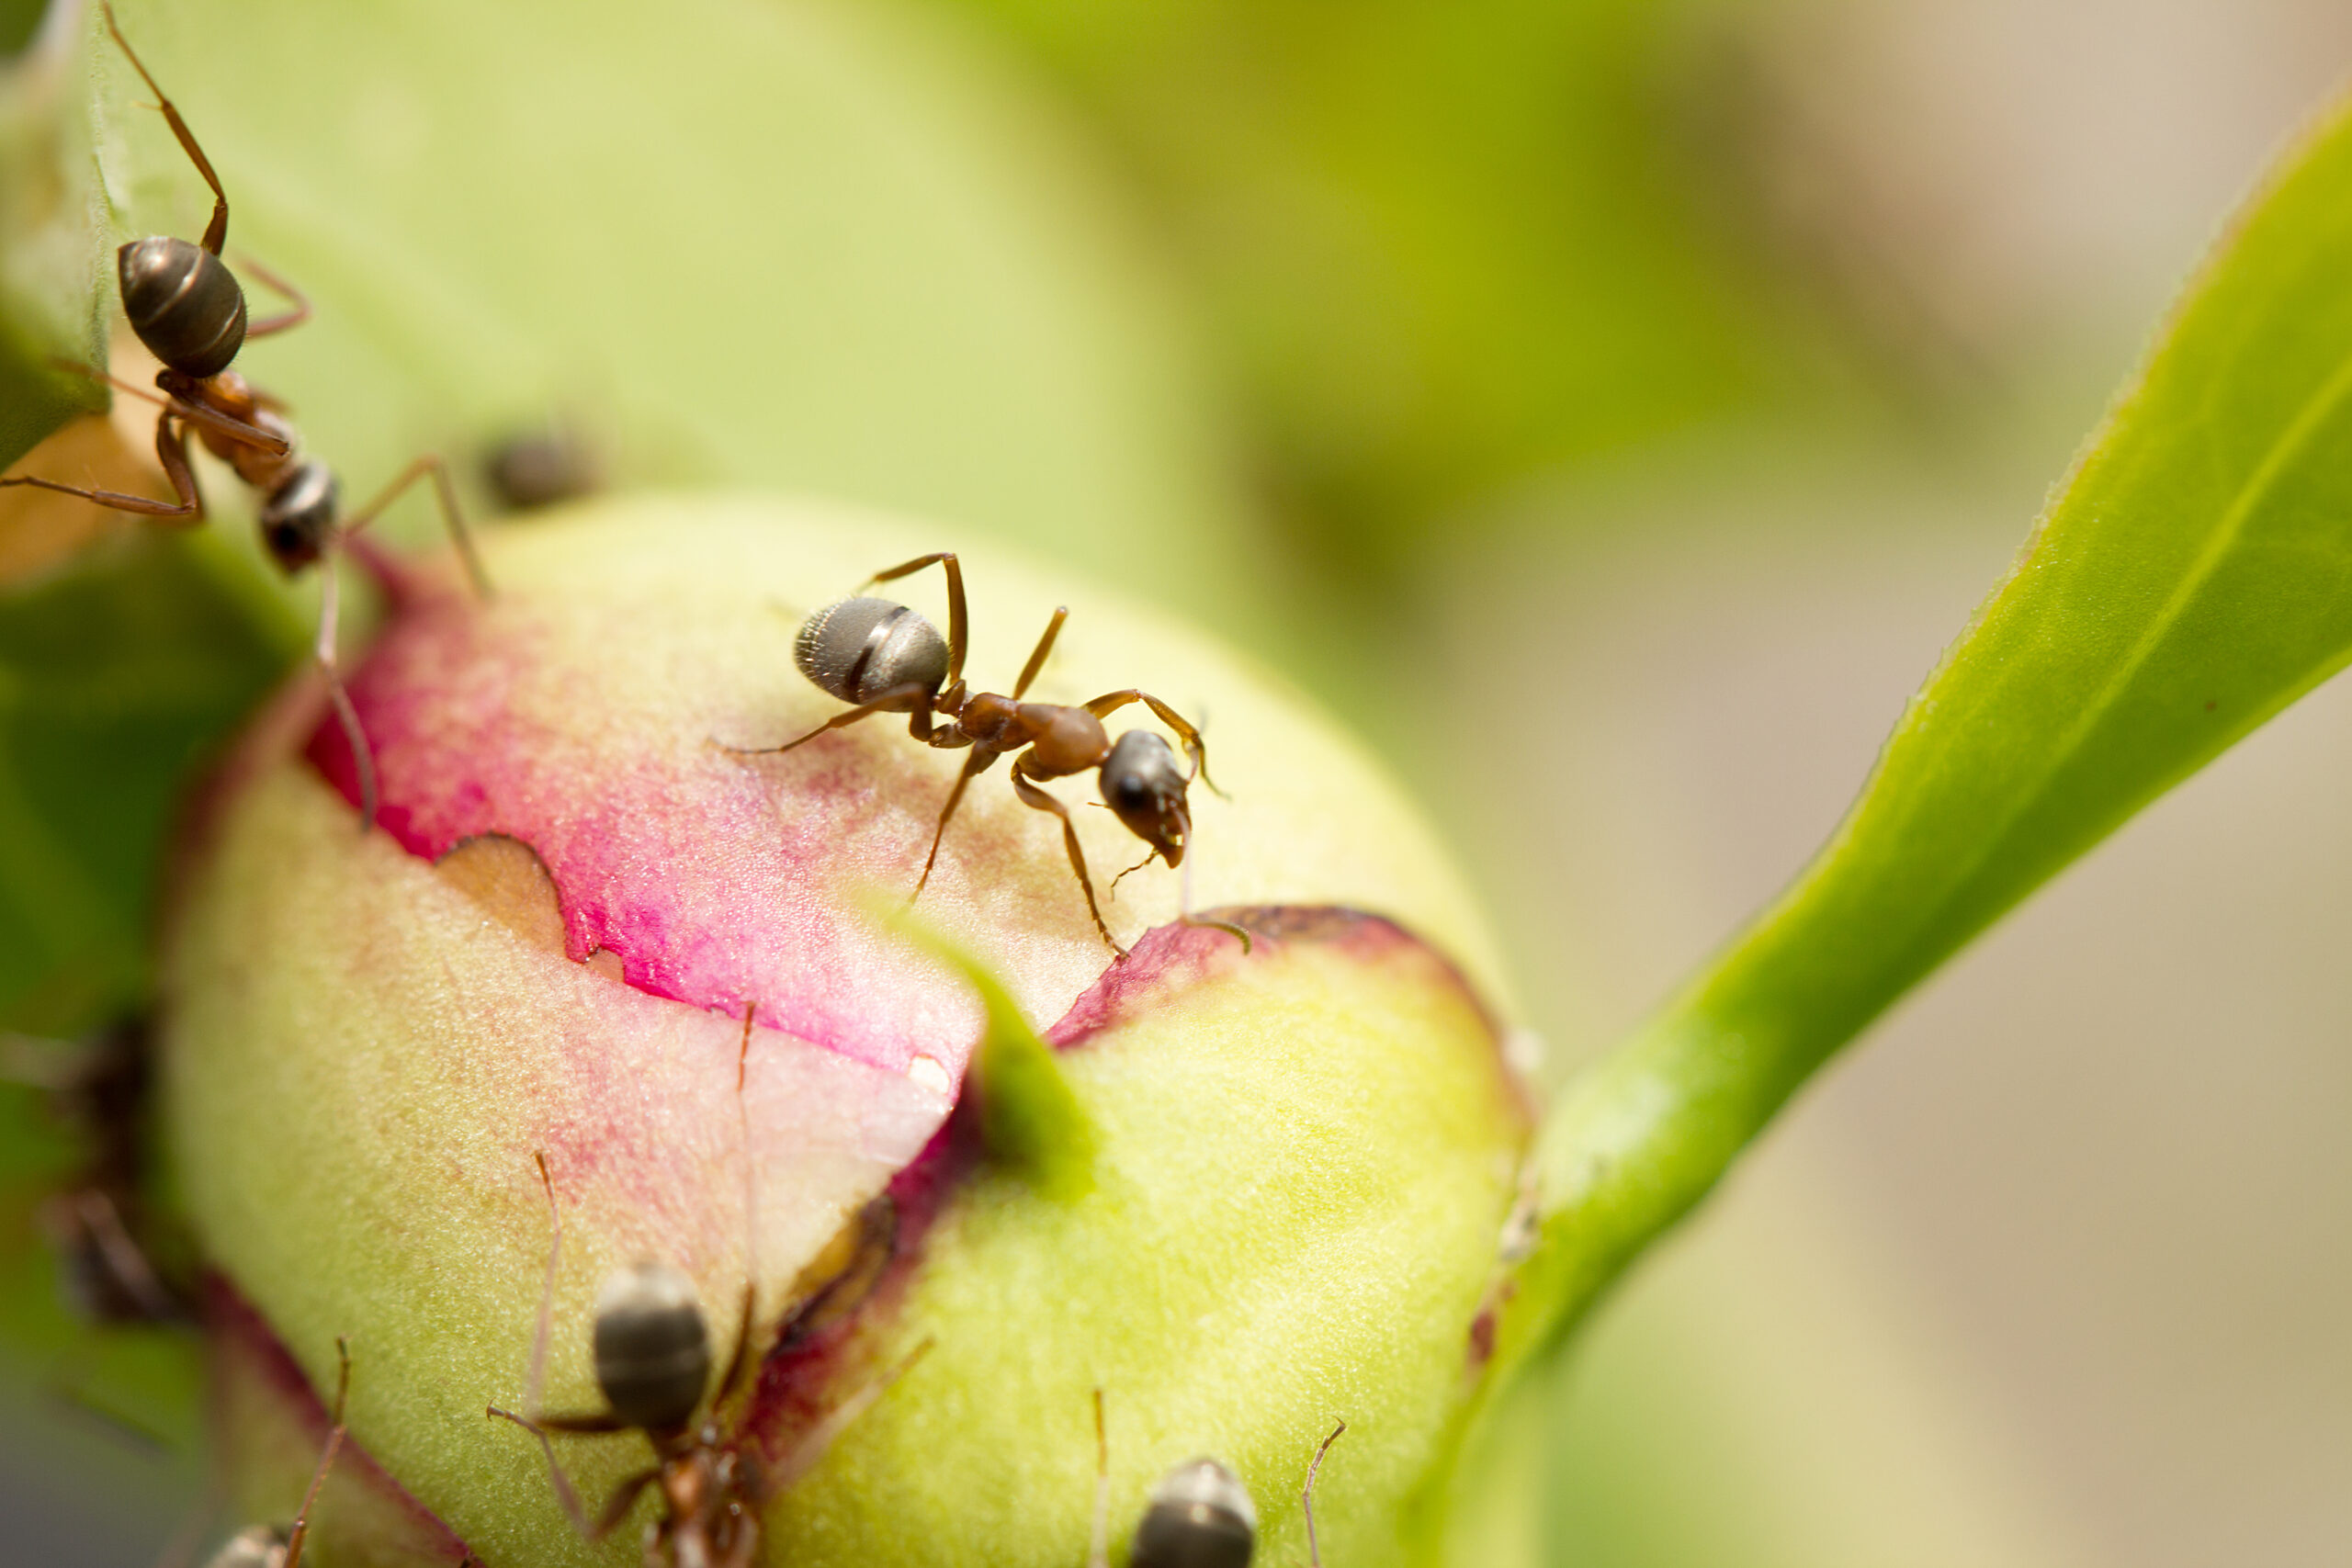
[[1612, 407]]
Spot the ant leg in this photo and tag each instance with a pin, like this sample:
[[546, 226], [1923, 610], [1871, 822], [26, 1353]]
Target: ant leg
[[1031, 796], [956, 620], [216, 231], [1307, 1496], [739, 1360], [1110, 703], [281, 322], [1098, 1538], [616, 1509], [1113, 891], [363, 760], [227, 426], [170, 450], [886, 702], [1037, 657], [980, 762], [296, 1536], [460, 534], [92, 1216]]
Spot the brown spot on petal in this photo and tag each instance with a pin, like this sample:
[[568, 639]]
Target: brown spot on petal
[[512, 884], [607, 963]]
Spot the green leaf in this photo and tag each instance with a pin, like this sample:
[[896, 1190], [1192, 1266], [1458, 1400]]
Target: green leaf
[[770, 243], [2190, 579], [55, 280], [115, 684]]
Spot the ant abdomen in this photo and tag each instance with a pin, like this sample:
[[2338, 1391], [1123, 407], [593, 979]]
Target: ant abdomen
[[183, 302], [652, 1349], [1200, 1517], [860, 648]]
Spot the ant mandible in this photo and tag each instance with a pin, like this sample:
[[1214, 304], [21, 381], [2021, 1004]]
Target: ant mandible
[[187, 308], [886, 659]]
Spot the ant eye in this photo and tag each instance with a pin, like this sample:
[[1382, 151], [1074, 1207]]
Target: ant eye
[[1140, 775]]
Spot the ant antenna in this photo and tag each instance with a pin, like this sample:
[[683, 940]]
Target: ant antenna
[[1097, 1540], [1184, 894], [751, 1171], [1307, 1496], [297, 1537], [363, 760], [536, 1385]]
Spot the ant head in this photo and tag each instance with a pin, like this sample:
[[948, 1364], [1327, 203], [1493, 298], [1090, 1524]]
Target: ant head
[[652, 1350], [1200, 1517], [184, 303], [257, 1546], [1143, 783], [299, 516], [859, 649]]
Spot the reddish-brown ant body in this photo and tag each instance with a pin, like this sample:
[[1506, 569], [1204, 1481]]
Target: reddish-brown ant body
[[885, 658], [187, 308]]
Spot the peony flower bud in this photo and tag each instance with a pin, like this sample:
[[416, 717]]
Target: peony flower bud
[[1293, 1156]]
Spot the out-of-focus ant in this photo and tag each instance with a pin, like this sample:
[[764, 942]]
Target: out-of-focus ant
[[98, 1224], [1199, 1516], [187, 308], [885, 658], [653, 1362], [533, 469], [273, 1546]]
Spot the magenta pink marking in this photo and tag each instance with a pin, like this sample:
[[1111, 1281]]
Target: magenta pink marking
[[679, 861]]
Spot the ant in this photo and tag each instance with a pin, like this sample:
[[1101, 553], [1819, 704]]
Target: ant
[[652, 1359], [534, 469], [1198, 1515], [187, 308], [271, 1546], [886, 659], [98, 1225]]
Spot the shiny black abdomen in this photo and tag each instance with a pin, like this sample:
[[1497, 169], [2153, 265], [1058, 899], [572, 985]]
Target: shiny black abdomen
[[184, 303]]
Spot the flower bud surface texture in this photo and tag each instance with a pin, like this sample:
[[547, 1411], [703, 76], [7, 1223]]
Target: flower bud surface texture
[[1303, 1155]]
